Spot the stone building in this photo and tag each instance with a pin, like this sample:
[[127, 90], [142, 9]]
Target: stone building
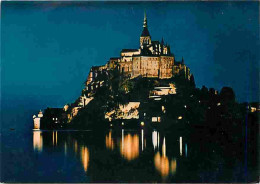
[[152, 59], [126, 111], [181, 68], [37, 120]]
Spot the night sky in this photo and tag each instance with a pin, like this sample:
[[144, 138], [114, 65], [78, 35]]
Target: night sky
[[48, 47]]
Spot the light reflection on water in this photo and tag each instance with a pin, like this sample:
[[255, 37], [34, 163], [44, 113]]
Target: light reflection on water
[[163, 164], [181, 146], [186, 150], [125, 156], [128, 144], [69, 144], [109, 141], [84, 157], [37, 141], [75, 146], [156, 137]]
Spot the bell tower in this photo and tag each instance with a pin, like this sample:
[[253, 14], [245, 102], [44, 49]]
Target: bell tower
[[145, 38]]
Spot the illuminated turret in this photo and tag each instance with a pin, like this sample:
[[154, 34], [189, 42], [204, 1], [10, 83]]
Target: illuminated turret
[[37, 120], [145, 38]]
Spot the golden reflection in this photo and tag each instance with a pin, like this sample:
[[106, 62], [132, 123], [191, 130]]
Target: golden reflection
[[37, 141], [85, 157], [75, 146], [129, 146], [55, 138], [173, 166], [162, 163], [164, 148], [109, 141]]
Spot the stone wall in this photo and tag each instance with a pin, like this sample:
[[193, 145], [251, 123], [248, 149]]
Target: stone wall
[[166, 66]]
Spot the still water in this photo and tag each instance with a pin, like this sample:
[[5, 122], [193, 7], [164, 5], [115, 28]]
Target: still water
[[115, 156]]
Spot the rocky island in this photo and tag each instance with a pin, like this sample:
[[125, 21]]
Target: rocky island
[[171, 97], [148, 87]]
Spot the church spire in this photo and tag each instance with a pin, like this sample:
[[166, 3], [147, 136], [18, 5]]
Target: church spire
[[145, 19], [162, 42], [145, 31], [145, 38]]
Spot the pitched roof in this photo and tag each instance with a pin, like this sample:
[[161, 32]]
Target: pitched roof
[[145, 32]]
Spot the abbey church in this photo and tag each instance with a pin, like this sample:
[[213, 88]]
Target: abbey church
[[153, 59]]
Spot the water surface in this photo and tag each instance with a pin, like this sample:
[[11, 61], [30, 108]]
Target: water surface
[[116, 156]]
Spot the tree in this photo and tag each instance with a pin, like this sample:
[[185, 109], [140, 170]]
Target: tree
[[227, 95]]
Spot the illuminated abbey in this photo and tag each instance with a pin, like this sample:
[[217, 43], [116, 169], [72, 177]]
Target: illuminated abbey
[[153, 59], [142, 86]]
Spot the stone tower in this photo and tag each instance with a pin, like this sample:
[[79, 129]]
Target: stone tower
[[145, 38], [37, 120]]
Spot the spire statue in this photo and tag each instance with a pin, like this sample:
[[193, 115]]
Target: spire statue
[[145, 19]]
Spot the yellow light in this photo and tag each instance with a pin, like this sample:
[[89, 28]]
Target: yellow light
[[129, 146], [123, 123], [37, 141], [142, 123], [173, 166], [111, 125], [180, 117], [162, 164], [85, 158], [109, 141]]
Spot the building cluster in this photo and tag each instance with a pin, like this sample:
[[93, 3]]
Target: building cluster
[[126, 111], [153, 59], [131, 109], [158, 92], [37, 121]]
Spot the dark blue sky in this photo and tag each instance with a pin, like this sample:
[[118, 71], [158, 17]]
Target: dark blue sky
[[48, 47]]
